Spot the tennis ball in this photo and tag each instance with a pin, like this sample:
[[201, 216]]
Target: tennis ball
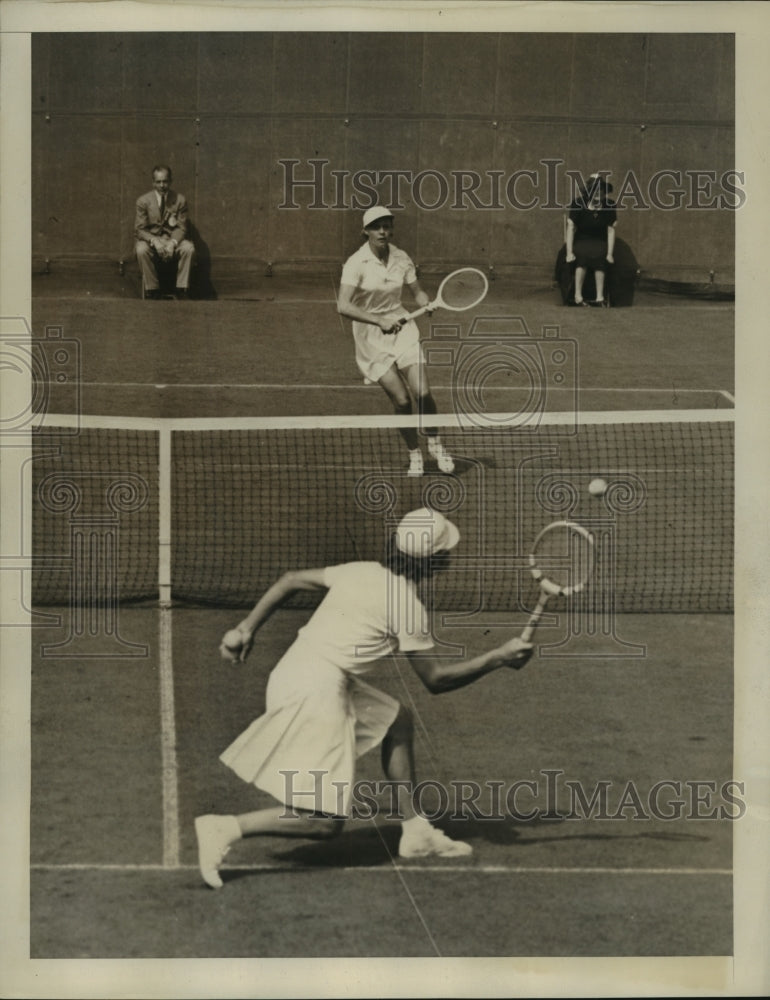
[[232, 643], [233, 639], [597, 487]]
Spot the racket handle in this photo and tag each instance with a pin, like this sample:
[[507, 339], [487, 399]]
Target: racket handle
[[419, 312], [526, 635]]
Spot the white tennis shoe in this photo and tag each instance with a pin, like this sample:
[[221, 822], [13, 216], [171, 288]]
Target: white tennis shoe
[[215, 836], [427, 842], [416, 466], [444, 460]]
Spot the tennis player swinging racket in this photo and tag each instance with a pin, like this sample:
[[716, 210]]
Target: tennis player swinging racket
[[387, 340], [321, 715]]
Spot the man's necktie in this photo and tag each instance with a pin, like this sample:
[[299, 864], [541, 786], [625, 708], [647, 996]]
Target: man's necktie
[[162, 206]]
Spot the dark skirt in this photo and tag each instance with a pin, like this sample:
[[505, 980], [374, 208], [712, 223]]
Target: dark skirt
[[620, 282], [590, 252]]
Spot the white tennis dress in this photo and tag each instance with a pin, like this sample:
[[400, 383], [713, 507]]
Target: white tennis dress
[[378, 287], [320, 716]]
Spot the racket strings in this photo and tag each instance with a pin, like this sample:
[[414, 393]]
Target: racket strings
[[464, 289], [565, 558]]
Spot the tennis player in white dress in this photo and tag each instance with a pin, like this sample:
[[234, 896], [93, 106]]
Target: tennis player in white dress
[[320, 716], [387, 353]]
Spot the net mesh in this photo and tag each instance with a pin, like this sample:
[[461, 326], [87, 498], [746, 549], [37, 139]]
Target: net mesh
[[248, 504], [95, 515]]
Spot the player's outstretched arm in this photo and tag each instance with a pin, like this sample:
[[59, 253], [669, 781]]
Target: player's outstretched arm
[[439, 676], [281, 590]]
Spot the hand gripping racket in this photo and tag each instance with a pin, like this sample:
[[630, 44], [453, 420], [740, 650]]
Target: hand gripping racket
[[562, 561], [462, 289]]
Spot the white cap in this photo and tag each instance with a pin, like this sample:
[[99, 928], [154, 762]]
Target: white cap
[[422, 533], [373, 214]]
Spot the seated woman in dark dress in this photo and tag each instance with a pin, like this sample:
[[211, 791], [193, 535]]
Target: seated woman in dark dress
[[591, 237]]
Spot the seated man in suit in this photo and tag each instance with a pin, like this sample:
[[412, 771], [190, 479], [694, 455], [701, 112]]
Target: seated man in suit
[[160, 231]]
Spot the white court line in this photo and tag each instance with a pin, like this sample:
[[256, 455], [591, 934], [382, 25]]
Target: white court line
[[169, 770], [482, 422], [447, 867], [305, 386], [272, 300], [275, 301], [505, 303]]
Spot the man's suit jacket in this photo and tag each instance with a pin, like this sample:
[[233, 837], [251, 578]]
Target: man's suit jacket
[[149, 223]]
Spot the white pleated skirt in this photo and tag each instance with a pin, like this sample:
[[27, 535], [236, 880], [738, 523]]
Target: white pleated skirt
[[377, 352], [318, 720]]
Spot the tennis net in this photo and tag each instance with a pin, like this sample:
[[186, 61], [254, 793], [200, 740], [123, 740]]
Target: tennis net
[[212, 512]]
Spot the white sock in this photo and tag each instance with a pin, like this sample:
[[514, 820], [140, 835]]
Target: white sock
[[414, 824], [235, 831]]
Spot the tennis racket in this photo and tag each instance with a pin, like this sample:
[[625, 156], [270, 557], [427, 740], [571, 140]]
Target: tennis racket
[[562, 561], [462, 289]]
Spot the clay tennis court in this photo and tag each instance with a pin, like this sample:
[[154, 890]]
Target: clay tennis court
[[275, 347], [125, 746], [558, 887], [192, 450]]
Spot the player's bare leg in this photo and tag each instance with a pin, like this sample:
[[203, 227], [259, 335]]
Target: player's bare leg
[[217, 834], [398, 393], [599, 278], [417, 380], [284, 821], [418, 838], [397, 754], [580, 277]]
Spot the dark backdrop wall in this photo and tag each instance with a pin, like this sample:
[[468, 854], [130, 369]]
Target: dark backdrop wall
[[225, 109]]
